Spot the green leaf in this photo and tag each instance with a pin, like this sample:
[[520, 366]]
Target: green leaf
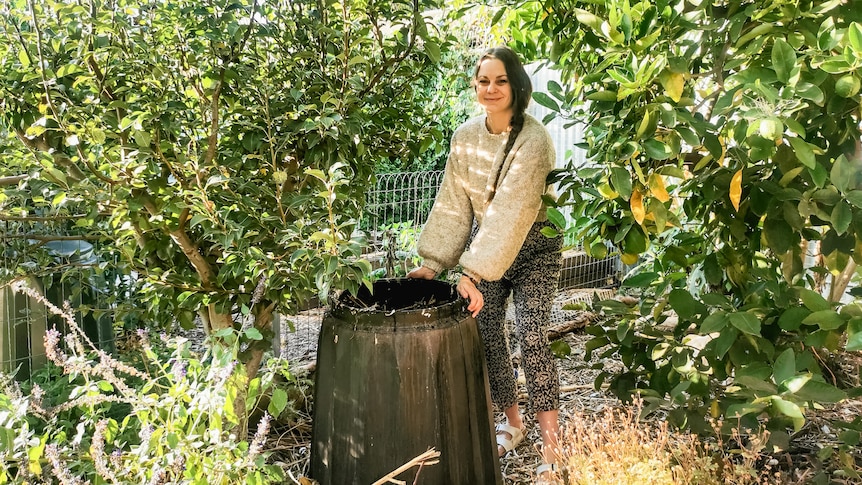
[[606, 95], [546, 101], [835, 65], [68, 69], [561, 349], [841, 217], [804, 152], [794, 383], [173, 440], [755, 383], [24, 59], [810, 92], [785, 366], [736, 411], [253, 334], [197, 219], [556, 217], [819, 391], [789, 409], [433, 51], [778, 234], [791, 319], [825, 319], [854, 33], [621, 180], [640, 280], [854, 197], [58, 199], [745, 322], [783, 60], [725, 340], [682, 303], [635, 242], [589, 19], [812, 300], [715, 322], [656, 149], [549, 232], [854, 334], [277, 402], [843, 175]]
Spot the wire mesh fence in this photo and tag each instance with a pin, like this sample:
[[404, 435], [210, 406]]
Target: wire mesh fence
[[66, 268], [403, 201]]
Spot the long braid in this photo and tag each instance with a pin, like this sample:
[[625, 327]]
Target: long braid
[[517, 126]]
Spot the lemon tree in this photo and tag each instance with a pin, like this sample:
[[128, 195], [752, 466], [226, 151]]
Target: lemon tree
[[724, 141]]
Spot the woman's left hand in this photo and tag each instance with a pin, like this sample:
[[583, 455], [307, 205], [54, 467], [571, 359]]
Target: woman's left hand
[[468, 290]]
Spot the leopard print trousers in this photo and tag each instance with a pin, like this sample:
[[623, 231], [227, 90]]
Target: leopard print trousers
[[532, 280]]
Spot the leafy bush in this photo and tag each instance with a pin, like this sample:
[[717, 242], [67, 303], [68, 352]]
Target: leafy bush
[[726, 144]]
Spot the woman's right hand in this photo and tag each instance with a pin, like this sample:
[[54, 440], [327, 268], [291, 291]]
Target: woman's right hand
[[467, 289], [422, 273]]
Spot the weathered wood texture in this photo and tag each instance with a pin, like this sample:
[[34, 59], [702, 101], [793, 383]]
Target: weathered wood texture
[[399, 372]]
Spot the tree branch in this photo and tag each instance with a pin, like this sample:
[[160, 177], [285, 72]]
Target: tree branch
[[12, 180]]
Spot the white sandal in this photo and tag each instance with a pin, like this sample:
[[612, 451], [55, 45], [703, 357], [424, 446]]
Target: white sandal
[[509, 444], [546, 474]]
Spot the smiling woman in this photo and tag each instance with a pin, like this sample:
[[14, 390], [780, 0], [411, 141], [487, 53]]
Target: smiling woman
[[488, 219]]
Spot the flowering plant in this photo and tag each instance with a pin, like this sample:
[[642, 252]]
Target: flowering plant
[[177, 422]]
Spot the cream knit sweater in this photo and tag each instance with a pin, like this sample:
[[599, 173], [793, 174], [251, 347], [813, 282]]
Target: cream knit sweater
[[504, 216]]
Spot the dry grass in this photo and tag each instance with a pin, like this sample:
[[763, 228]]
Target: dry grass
[[617, 448]]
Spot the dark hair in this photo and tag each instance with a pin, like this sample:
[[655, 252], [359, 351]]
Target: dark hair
[[519, 80]]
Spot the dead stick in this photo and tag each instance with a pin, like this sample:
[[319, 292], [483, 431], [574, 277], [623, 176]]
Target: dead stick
[[578, 322], [427, 458], [563, 389]]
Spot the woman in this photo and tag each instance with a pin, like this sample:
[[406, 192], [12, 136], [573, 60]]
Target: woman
[[496, 175]]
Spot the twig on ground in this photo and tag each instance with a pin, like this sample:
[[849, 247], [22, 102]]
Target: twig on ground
[[430, 457], [579, 322]]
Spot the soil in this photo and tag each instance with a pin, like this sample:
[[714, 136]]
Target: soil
[[290, 442]]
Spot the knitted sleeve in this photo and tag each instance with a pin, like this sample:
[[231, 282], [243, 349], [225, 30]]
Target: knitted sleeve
[[450, 222], [515, 207]]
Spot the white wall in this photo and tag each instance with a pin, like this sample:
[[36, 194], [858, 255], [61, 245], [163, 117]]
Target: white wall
[[564, 138]]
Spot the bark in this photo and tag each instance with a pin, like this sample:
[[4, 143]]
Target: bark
[[262, 322], [841, 281], [12, 180]]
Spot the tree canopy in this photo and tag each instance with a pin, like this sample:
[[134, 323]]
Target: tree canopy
[[224, 147]]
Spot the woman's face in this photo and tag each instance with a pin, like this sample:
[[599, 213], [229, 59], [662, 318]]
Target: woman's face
[[493, 90]]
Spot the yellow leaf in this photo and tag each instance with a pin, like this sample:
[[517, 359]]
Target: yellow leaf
[[714, 409], [637, 204], [628, 258], [657, 187], [736, 189], [673, 84]]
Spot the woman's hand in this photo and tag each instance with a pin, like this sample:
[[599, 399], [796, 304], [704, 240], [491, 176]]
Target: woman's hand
[[422, 273], [468, 290]]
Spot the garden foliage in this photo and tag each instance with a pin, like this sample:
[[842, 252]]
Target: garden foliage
[[223, 147], [724, 140], [168, 418]]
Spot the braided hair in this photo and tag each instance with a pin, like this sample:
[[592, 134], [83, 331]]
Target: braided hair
[[522, 88]]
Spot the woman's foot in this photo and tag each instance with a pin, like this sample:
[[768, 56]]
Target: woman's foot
[[509, 437]]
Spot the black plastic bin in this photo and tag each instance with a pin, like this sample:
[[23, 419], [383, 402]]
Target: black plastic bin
[[400, 371]]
